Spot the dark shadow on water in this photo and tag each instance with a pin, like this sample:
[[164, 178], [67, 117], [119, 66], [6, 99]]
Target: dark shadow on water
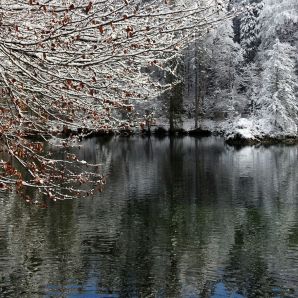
[[179, 217]]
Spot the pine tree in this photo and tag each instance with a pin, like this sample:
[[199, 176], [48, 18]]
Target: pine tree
[[279, 19], [250, 29], [225, 56], [277, 97]]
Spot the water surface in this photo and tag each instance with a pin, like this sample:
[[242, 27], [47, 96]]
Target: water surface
[[178, 218]]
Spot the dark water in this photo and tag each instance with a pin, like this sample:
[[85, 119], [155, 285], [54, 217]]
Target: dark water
[[178, 218]]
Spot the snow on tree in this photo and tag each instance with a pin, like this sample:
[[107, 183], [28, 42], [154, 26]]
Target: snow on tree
[[250, 29], [220, 57], [81, 65], [279, 105], [250, 82], [278, 19], [210, 73], [270, 82]]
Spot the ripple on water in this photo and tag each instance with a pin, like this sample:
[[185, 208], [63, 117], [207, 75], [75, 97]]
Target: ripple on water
[[178, 218]]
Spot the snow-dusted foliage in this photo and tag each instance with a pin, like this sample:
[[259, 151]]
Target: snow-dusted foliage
[[279, 105], [250, 30], [222, 70], [211, 75], [82, 65], [278, 19], [273, 77], [265, 82]]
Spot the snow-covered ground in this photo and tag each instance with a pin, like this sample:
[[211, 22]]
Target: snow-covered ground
[[246, 129]]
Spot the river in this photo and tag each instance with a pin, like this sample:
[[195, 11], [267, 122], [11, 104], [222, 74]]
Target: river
[[179, 217]]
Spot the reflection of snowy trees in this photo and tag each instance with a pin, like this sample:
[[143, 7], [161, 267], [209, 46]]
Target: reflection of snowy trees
[[175, 217]]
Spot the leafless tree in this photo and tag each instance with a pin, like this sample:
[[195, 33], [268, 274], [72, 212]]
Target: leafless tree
[[80, 65]]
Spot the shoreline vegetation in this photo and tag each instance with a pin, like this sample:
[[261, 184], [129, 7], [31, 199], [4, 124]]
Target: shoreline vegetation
[[235, 138]]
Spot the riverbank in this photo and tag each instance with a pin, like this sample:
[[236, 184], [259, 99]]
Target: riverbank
[[242, 132]]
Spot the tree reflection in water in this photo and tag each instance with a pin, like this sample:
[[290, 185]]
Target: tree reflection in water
[[178, 218]]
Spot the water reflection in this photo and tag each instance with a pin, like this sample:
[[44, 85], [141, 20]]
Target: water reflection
[[178, 218]]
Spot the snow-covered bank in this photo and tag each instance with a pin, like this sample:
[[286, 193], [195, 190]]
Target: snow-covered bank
[[237, 130], [240, 131], [253, 130]]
